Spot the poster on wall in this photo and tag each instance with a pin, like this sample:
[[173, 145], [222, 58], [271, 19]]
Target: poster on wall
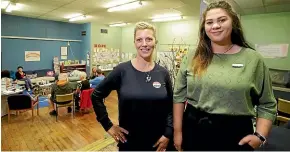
[[63, 51], [32, 56], [105, 58], [272, 50]]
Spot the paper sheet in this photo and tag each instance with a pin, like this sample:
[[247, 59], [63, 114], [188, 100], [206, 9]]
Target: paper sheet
[[63, 57], [63, 50], [273, 50]]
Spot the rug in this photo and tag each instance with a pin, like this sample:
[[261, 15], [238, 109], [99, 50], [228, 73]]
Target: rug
[[107, 144], [43, 100]]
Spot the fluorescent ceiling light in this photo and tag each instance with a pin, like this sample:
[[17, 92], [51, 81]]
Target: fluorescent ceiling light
[[77, 18], [10, 7], [118, 24], [167, 19], [127, 6], [165, 16], [73, 15], [4, 4], [116, 3]]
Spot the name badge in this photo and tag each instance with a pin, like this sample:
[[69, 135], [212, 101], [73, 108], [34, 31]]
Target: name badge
[[237, 65]]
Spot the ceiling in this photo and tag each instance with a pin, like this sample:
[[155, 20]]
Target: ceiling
[[249, 7], [96, 10]]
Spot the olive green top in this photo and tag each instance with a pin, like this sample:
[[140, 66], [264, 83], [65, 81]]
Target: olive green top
[[228, 88]]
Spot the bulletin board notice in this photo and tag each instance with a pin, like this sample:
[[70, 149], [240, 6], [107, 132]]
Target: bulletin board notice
[[272, 50]]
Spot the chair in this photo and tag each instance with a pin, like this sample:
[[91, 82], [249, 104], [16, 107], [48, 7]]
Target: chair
[[86, 102], [284, 108], [66, 100], [21, 102]]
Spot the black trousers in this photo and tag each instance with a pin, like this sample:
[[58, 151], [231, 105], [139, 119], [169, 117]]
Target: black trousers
[[141, 145], [212, 132], [142, 139], [77, 100]]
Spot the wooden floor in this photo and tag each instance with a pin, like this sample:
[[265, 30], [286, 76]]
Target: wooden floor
[[44, 133]]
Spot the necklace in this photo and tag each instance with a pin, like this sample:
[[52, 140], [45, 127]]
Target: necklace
[[229, 48], [148, 77]]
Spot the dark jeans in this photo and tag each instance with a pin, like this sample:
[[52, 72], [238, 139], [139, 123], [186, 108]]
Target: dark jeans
[[77, 100], [212, 132], [27, 83]]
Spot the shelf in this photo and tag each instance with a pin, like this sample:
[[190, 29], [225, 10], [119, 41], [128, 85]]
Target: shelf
[[74, 65], [107, 69]]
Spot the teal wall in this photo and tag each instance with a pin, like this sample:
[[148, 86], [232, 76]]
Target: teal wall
[[269, 29]]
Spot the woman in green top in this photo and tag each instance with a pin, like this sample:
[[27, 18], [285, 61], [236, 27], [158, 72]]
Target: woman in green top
[[221, 83]]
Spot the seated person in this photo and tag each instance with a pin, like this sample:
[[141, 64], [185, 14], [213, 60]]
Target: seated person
[[93, 73], [84, 85], [21, 75], [5, 77], [97, 80], [61, 87], [35, 93]]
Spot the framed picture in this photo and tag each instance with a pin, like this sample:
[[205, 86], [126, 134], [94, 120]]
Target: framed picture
[[32, 56]]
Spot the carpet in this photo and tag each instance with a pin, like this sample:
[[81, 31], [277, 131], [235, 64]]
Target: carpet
[[107, 144], [43, 100]]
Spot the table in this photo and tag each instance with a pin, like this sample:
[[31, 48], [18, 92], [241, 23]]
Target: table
[[45, 88], [4, 103]]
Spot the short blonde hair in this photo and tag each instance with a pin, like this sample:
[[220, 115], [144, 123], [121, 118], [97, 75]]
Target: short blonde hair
[[83, 74], [63, 76], [143, 26]]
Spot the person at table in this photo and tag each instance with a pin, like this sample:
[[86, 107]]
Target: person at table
[[144, 97], [93, 73], [97, 80], [222, 81], [5, 77], [83, 85], [60, 87], [21, 76]]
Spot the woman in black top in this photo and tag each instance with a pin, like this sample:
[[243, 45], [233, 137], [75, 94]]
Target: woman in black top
[[83, 85], [21, 75], [93, 73], [145, 98]]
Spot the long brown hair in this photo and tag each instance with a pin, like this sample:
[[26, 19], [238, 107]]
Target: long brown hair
[[204, 54]]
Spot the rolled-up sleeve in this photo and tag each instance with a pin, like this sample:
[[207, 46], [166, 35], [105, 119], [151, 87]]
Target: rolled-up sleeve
[[267, 106], [180, 86]]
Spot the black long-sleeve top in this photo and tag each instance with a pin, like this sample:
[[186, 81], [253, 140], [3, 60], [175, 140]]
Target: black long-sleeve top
[[145, 108], [19, 76]]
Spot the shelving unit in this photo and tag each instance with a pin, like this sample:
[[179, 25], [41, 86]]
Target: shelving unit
[[56, 65], [71, 67]]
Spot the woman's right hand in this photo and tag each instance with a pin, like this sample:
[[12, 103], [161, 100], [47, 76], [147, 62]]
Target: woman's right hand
[[117, 133], [178, 140]]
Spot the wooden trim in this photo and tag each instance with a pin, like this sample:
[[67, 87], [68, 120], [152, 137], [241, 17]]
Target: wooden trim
[[39, 38]]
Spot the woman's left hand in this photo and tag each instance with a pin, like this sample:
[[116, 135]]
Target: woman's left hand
[[252, 140], [162, 143]]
